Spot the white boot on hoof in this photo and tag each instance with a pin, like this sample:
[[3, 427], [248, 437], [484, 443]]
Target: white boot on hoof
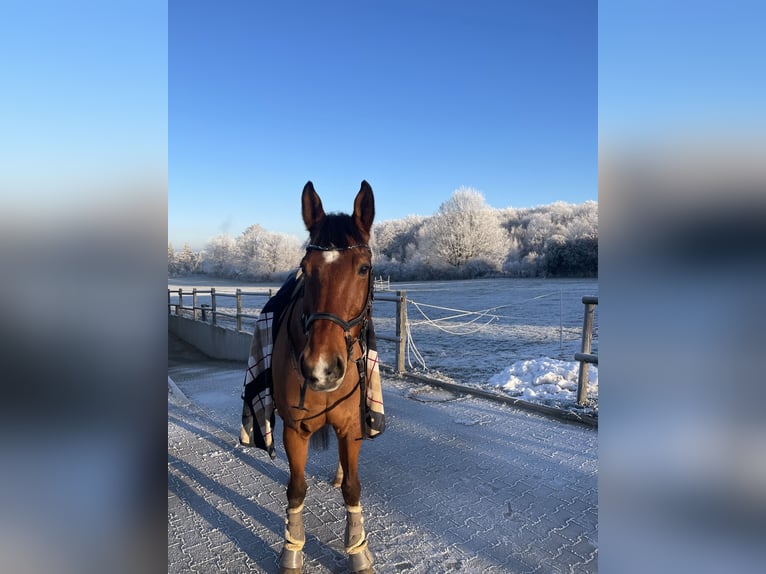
[[291, 558], [359, 556]]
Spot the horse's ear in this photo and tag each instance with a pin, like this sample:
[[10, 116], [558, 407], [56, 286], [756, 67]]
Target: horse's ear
[[364, 208], [313, 212]]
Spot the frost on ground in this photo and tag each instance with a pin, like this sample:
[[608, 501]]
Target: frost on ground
[[547, 381]]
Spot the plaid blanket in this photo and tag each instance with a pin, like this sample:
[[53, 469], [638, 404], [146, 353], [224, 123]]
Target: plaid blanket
[[258, 408]]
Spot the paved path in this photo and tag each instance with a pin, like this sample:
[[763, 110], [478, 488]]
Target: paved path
[[455, 484]]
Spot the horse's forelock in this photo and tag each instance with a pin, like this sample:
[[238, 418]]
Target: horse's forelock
[[338, 230]]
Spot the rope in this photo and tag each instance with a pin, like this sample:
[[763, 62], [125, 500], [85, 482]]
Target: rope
[[434, 322], [413, 350], [459, 313], [460, 330]]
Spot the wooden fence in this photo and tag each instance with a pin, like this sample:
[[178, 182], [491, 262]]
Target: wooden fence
[[213, 313], [585, 357], [400, 334], [200, 312]]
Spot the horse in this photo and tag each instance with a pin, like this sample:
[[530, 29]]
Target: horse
[[318, 364]]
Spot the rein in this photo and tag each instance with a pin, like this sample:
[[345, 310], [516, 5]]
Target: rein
[[362, 318]]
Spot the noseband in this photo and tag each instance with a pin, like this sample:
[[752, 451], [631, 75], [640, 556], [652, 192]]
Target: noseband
[[361, 319]]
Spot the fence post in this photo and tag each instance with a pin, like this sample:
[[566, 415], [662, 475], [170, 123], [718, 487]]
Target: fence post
[[170, 307], [239, 309], [401, 329], [179, 307], [587, 336], [194, 304], [212, 302]]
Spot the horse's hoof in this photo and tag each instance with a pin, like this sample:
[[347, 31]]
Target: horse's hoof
[[361, 562], [290, 561]]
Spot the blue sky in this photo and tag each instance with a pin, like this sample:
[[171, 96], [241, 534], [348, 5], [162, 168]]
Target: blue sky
[[418, 98], [83, 101], [686, 69]]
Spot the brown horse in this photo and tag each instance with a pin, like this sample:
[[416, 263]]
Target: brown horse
[[318, 355]]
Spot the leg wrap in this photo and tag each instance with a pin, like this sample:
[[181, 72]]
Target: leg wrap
[[291, 557], [295, 537], [359, 556], [356, 538]]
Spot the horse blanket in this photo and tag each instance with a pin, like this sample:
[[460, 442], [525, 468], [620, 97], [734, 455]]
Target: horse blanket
[[257, 392]]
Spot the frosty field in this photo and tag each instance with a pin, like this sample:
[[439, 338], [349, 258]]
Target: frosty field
[[518, 336]]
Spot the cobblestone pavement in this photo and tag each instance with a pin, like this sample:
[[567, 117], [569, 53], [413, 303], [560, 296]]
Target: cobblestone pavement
[[455, 484]]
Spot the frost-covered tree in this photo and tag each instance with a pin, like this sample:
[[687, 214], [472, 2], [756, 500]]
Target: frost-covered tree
[[465, 238], [466, 229], [571, 257], [255, 254], [220, 256], [172, 263], [530, 265], [187, 261], [394, 244], [250, 246], [279, 253], [540, 227], [584, 224], [392, 237]]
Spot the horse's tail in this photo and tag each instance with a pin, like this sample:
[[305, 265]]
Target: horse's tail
[[320, 440]]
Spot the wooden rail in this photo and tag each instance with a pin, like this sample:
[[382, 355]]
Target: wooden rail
[[200, 312]]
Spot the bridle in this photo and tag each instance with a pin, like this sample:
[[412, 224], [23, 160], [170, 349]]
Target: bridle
[[362, 319]]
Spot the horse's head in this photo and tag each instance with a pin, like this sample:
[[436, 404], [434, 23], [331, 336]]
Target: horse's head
[[338, 286]]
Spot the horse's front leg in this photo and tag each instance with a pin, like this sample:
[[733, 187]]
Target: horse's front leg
[[297, 447], [359, 556]]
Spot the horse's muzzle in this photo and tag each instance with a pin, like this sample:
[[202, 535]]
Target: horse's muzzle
[[323, 375]]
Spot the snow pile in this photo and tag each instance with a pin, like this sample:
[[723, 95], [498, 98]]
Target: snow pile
[[544, 380]]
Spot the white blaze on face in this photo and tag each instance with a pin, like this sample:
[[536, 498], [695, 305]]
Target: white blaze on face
[[320, 370], [330, 256]]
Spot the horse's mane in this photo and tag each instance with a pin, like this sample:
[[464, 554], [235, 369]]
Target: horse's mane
[[337, 230]]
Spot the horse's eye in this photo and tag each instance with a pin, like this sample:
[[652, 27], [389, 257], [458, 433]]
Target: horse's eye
[[364, 269]]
